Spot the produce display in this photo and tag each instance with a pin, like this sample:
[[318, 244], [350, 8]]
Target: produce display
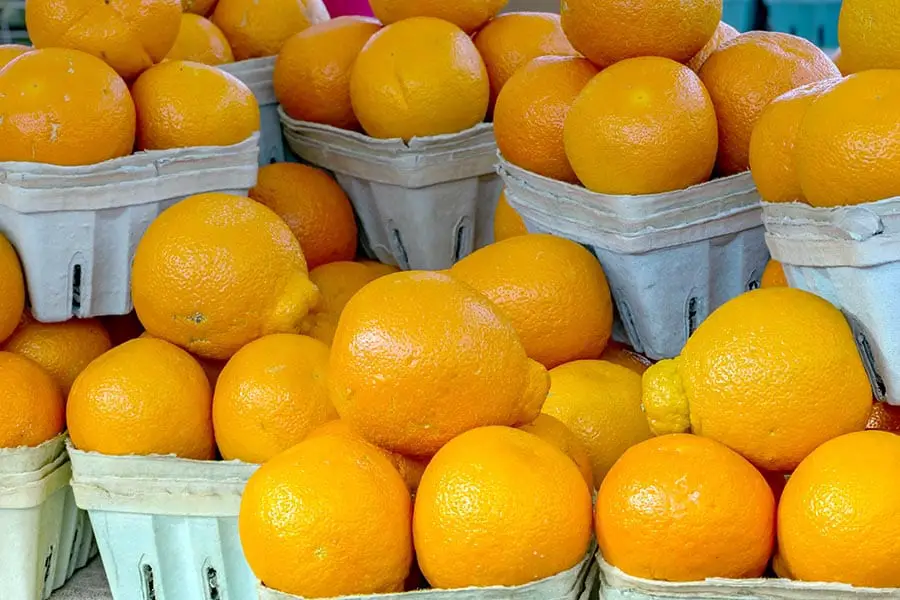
[[283, 417]]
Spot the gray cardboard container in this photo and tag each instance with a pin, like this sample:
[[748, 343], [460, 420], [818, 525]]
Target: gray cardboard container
[[256, 73], [851, 257], [671, 259], [423, 204], [76, 228]]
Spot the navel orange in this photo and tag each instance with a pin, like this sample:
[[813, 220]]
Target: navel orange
[[312, 71], [200, 41], [531, 505], [685, 508], [531, 113], [772, 374], [143, 397], [419, 77], [257, 28], [469, 15], [642, 126], [329, 506], [32, 409], [64, 107], [416, 354], [215, 272]]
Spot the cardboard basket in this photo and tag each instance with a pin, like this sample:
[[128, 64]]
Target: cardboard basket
[[166, 527], [671, 259], [423, 204], [574, 584], [76, 228], [256, 73], [616, 585], [851, 257]]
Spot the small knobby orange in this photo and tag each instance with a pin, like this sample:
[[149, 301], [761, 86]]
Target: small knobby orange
[[32, 409], [257, 28], [200, 41]]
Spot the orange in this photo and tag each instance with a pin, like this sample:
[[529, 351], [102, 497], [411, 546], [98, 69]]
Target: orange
[[869, 35], [772, 146], [512, 40], [847, 149], [469, 15], [12, 289], [747, 73], [724, 33], [498, 506], [507, 221], [337, 283], [685, 508], [32, 409], [257, 28], [642, 126], [130, 35], [531, 112], [772, 374], [839, 517], [607, 31], [173, 102], [270, 395], [315, 208], [600, 402], [840, 62], [884, 417], [329, 506], [410, 469], [200, 41], [415, 356], [62, 349], [64, 107], [624, 356], [553, 431], [144, 397], [211, 367], [419, 77], [8, 52], [215, 272], [378, 268], [553, 290], [773, 275], [312, 71], [122, 328], [198, 7]]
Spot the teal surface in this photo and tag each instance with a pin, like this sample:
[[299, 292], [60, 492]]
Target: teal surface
[[740, 14], [815, 20]]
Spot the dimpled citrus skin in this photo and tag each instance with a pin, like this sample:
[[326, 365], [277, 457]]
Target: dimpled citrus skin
[[419, 77], [772, 374], [839, 517], [531, 113], [869, 34], [884, 417], [312, 71], [215, 272], [642, 126], [12, 289], [498, 506], [747, 73], [173, 100], [507, 221], [552, 289], [512, 40], [848, 150], [61, 349], [32, 409], [724, 33], [773, 161], [410, 469], [143, 397], [553, 431], [600, 402], [315, 208], [419, 358], [10, 51], [469, 15], [200, 41], [130, 35], [685, 508], [328, 507], [64, 107], [270, 395], [607, 31], [773, 275], [257, 28]]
